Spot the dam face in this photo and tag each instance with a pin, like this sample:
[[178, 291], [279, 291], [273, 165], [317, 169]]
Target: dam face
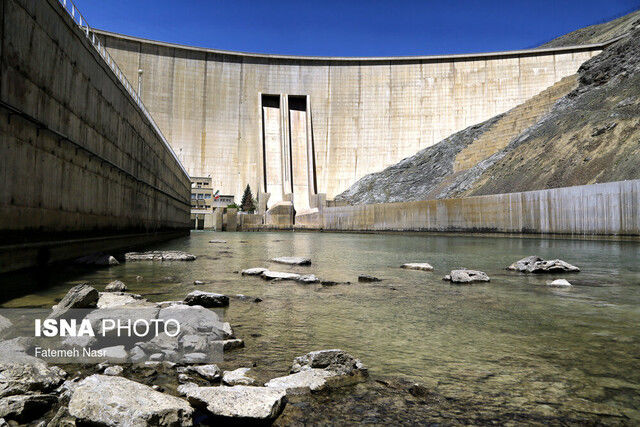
[[297, 126], [82, 167]]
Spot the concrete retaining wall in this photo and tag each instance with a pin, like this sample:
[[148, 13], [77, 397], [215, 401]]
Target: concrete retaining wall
[[364, 113], [600, 209], [78, 157]]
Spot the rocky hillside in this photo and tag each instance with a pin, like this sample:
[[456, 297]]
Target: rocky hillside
[[598, 33], [591, 134]]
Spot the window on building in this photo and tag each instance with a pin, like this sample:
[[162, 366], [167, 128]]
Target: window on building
[[200, 196], [193, 195], [207, 196]]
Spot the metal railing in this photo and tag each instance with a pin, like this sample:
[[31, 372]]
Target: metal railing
[[91, 35]]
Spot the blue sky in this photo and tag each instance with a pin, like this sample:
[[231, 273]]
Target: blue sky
[[351, 28]]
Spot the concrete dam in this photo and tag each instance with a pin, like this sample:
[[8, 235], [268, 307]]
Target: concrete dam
[[83, 166], [303, 128]]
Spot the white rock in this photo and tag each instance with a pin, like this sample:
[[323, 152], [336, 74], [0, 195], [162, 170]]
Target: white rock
[[467, 276], [302, 382], [240, 402], [119, 299], [308, 278], [208, 372], [159, 256], [257, 271], [117, 401], [238, 377], [418, 266], [561, 283], [113, 370], [292, 260], [115, 286], [277, 275]]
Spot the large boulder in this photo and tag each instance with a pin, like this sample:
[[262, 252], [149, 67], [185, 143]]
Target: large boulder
[[206, 299], [24, 408], [80, 296], [467, 276], [535, 264], [21, 373], [115, 286], [423, 266], [159, 256], [242, 404], [116, 401], [335, 360], [302, 382], [292, 260]]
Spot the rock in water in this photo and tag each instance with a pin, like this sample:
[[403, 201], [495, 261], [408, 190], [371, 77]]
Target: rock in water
[[115, 286], [242, 297], [119, 299], [560, 283], [277, 275], [238, 377], [467, 276], [206, 299], [418, 266], [97, 259], [217, 241], [302, 382], [159, 256], [117, 401], [253, 271], [208, 372], [335, 360], [292, 260], [367, 278], [534, 264], [308, 278], [239, 403], [524, 264], [80, 296]]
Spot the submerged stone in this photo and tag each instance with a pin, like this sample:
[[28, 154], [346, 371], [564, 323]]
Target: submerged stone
[[366, 278], [291, 260], [334, 360], [159, 256], [418, 266], [206, 299]]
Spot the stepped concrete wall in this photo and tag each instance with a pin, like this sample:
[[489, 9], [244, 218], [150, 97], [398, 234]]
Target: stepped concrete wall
[[600, 209], [79, 160], [363, 114]]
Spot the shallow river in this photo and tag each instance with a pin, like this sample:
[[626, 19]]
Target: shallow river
[[513, 342]]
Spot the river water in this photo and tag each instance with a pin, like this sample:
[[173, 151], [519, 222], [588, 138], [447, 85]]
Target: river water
[[512, 343]]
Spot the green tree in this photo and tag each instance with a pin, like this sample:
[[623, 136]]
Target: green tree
[[247, 204]]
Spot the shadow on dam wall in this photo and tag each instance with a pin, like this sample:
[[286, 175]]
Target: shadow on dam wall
[[608, 209], [83, 167]]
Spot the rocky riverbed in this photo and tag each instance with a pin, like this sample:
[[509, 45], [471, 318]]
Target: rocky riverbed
[[513, 349]]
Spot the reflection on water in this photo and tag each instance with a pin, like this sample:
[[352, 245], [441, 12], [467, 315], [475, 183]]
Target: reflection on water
[[512, 341]]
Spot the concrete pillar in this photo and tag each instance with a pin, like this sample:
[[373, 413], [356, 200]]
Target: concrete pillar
[[231, 222], [218, 219]]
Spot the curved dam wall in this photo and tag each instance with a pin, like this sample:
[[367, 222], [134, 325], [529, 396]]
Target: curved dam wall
[[599, 209], [296, 126], [79, 159]]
